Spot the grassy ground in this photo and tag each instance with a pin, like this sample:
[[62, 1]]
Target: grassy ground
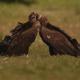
[[39, 65]]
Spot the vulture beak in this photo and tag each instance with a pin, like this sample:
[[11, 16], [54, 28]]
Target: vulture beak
[[39, 17]]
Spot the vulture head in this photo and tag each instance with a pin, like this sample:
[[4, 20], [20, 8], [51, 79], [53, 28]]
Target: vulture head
[[43, 20], [33, 17]]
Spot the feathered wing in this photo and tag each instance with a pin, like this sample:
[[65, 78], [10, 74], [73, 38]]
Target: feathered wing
[[21, 27], [22, 41], [58, 41]]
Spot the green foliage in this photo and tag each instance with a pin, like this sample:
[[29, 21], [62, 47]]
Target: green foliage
[[28, 2]]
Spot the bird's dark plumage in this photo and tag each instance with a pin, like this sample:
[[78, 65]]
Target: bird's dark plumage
[[57, 40]]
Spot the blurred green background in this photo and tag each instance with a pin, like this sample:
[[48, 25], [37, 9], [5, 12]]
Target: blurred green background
[[26, 2], [39, 65]]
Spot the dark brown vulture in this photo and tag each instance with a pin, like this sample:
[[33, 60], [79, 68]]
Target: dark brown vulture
[[57, 40], [23, 36]]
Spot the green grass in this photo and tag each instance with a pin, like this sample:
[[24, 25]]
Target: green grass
[[39, 65]]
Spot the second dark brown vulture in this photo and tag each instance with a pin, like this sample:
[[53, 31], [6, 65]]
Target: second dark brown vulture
[[23, 36], [57, 40]]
